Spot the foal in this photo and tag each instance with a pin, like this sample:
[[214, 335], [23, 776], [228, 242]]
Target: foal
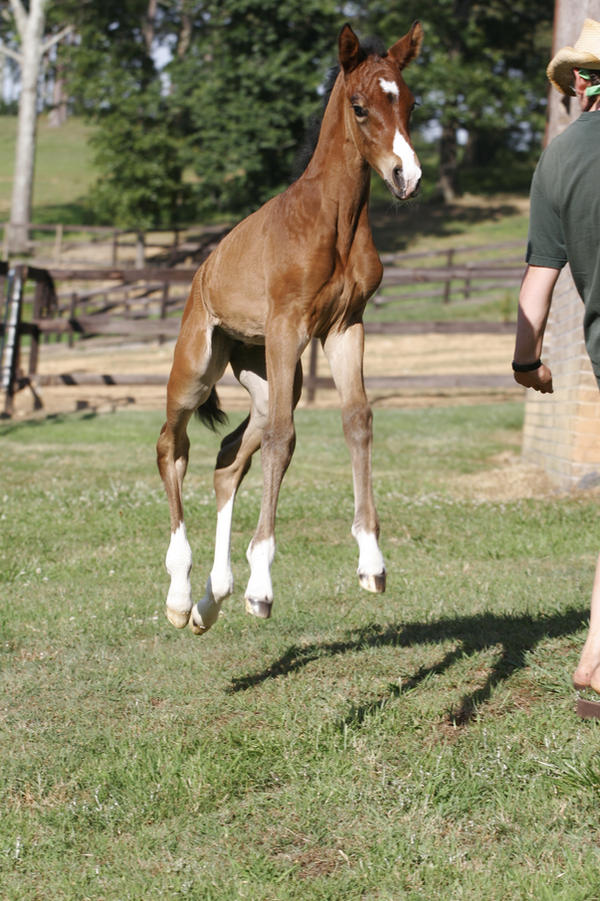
[[302, 266]]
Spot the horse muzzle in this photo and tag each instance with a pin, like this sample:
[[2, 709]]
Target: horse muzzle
[[402, 186]]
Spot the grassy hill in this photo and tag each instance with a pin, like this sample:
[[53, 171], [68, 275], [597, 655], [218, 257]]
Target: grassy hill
[[64, 170]]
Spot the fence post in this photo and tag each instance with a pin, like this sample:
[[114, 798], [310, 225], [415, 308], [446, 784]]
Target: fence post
[[449, 264], [163, 307], [72, 311], [39, 299], [140, 250], [58, 238], [467, 290], [11, 336]]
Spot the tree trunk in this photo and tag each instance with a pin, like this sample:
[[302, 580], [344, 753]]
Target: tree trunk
[[448, 163], [20, 212]]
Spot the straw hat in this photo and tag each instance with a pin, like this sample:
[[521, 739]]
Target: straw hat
[[584, 55]]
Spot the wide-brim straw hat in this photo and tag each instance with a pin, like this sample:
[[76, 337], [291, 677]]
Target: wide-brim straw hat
[[584, 55]]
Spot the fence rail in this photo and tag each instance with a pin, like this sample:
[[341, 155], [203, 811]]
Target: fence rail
[[145, 305], [171, 244]]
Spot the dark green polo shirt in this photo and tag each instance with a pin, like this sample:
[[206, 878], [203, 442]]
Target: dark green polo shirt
[[564, 223]]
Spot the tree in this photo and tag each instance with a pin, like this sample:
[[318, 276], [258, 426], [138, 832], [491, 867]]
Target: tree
[[29, 26], [481, 71], [220, 88], [245, 90], [117, 83]]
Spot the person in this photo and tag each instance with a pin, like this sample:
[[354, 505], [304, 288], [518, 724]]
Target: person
[[564, 226]]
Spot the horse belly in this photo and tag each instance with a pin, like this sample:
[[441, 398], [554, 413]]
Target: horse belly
[[233, 293]]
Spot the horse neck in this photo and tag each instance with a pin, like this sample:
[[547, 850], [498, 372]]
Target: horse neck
[[343, 175]]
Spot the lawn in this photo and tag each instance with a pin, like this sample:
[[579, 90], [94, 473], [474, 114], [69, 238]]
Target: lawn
[[64, 171], [418, 744]]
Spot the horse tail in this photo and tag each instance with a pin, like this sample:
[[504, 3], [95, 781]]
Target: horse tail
[[210, 413]]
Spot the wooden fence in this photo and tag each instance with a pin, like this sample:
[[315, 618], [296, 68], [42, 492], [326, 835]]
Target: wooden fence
[[59, 244], [145, 305]]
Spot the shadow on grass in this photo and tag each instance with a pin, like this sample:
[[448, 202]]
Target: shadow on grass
[[517, 636], [394, 226]]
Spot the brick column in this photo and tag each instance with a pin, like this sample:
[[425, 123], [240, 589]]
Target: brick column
[[562, 430]]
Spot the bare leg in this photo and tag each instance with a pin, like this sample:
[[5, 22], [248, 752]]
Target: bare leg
[[588, 668], [279, 438], [344, 352]]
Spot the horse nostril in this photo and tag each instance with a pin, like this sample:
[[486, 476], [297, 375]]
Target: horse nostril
[[398, 177]]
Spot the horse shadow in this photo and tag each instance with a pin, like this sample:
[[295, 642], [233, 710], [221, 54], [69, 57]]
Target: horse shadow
[[517, 635]]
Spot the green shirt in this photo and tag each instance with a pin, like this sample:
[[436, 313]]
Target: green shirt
[[564, 223]]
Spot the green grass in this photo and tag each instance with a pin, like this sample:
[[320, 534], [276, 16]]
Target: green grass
[[64, 171], [418, 744]]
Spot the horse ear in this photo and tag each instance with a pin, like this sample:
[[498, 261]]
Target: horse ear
[[350, 52], [408, 47]]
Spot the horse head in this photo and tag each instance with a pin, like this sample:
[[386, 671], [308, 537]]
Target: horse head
[[379, 104]]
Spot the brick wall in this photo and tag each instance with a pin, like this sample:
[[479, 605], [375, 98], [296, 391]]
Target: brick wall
[[562, 430]]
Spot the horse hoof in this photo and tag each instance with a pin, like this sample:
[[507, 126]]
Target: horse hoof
[[376, 583], [197, 628], [177, 619], [262, 609]]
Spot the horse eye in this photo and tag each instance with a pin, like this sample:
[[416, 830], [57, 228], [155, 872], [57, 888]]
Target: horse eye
[[359, 111]]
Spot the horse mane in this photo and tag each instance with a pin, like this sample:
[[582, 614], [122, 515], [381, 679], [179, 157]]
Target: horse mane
[[371, 46]]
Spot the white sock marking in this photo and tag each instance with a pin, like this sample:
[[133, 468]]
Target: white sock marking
[[260, 557], [370, 558], [221, 577], [179, 564]]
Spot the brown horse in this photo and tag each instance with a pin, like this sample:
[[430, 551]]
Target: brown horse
[[302, 266]]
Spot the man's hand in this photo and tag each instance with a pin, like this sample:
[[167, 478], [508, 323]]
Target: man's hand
[[540, 379]]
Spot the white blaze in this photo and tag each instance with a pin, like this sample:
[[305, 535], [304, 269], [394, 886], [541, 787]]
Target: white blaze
[[410, 168]]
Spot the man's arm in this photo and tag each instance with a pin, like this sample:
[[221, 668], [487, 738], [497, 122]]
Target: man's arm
[[534, 305]]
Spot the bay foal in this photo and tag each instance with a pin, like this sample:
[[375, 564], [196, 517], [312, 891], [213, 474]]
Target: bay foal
[[302, 266]]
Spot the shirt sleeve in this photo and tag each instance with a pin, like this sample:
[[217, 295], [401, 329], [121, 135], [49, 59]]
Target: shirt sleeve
[[546, 241]]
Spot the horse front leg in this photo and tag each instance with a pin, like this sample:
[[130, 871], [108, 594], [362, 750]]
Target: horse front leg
[[344, 351], [278, 443]]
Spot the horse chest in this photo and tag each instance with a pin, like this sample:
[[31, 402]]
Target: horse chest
[[343, 297]]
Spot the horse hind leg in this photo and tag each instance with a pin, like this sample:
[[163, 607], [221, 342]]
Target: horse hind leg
[[172, 457], [190, 385]]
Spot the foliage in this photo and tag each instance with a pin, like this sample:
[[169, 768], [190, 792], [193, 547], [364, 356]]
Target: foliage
[[201, 106], [116, 82], [421, 744], [481, 71], [246, 89]]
